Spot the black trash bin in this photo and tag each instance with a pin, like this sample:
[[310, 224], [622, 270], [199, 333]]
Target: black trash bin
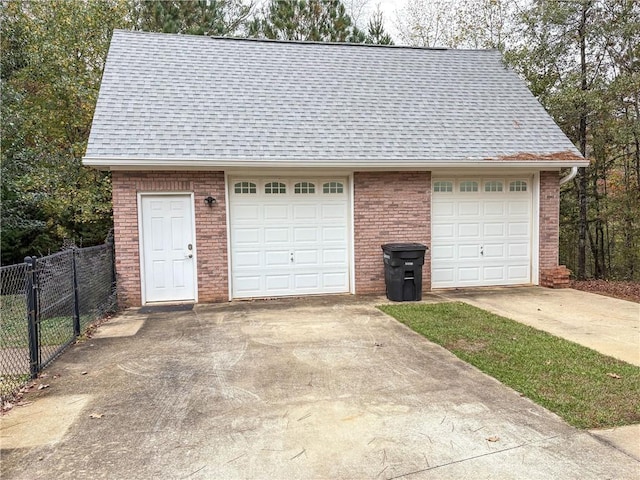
[[403, 271]]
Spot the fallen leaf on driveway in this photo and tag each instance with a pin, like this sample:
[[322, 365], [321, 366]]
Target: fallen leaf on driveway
[[494, 438], [43, 385], [614, 375], [83, 373], [96, 415]]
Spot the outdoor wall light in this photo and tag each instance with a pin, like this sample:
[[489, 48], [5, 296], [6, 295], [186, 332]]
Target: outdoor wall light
[[210, 200]]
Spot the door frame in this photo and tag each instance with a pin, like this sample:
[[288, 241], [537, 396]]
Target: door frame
[[141, 244]]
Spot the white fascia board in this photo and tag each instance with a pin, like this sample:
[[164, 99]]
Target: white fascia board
[[120, 163]]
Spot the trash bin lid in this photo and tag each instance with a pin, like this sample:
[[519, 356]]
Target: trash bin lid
[[404, 247]]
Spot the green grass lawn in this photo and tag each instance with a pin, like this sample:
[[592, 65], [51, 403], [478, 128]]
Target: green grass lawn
[[586, 388], [14, 332]]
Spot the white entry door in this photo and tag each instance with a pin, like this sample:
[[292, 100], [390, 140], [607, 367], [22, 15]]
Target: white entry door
[[481, 232], [168, 248], [289, 236]]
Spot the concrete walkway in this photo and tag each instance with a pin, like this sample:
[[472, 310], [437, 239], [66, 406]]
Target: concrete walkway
[[301, 388], [607, 325]]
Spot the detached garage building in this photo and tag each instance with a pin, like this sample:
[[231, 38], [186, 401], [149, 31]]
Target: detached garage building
[[253, 168]]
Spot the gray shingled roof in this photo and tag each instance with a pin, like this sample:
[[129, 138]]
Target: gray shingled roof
[[167, 99]]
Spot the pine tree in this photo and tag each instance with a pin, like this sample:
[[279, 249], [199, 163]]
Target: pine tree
[[310, 20], [376, 32], [197, 17]]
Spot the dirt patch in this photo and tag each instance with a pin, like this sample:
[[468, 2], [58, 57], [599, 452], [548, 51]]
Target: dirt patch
[[623, 290], [467, 346]]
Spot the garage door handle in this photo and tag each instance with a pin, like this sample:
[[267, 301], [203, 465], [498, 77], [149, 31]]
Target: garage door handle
[[481, 250]]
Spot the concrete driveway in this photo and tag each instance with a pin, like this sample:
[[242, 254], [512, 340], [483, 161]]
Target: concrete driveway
[[316, 388]]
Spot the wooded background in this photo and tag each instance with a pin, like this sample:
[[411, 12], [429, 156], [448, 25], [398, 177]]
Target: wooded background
[[580, 58]]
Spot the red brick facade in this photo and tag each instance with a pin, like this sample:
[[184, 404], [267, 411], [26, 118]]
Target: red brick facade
[[389, 207], [551, 274], [211, 229]]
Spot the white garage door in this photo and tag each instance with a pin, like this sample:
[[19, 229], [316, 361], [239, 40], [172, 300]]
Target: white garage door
[[481, 232], [289, 236]]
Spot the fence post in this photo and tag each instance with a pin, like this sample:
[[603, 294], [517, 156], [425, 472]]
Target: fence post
[[76, 298], [32, 316], [112, 252]]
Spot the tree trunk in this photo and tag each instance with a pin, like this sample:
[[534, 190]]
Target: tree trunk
[[582, 135]]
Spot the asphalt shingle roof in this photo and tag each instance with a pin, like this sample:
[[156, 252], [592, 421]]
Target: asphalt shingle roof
[[178, 97]]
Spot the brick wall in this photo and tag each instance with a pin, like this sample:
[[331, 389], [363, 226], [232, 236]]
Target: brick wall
[[211, 229], [389, 207], [551, 274]]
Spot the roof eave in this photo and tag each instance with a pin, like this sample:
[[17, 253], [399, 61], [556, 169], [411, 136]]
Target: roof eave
[[120, 163]]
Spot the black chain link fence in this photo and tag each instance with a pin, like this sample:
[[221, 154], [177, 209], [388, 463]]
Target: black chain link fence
[[46, 304], [14, 334]]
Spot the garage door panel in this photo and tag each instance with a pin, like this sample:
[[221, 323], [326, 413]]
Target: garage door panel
[[469, 274], [334, 281], [466, 230], [289, 243], [443, 252], [277, 283], [480, 238], [305, 234], [276, 212], [246, 213], [334, 256], [276, 235], [248, 285], [248, 259], [521, 272], [520, 207], [333, 212], [443, 209], [307, 281], [466, 252], [493, 229], [494, 273], [334, 234], [277, 258], [518, 250], [246, 236], [494, 251], [518, 229], [468, 209], [306, 257], [493, 208], [444, 231], [444, 276], [305, 212]]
